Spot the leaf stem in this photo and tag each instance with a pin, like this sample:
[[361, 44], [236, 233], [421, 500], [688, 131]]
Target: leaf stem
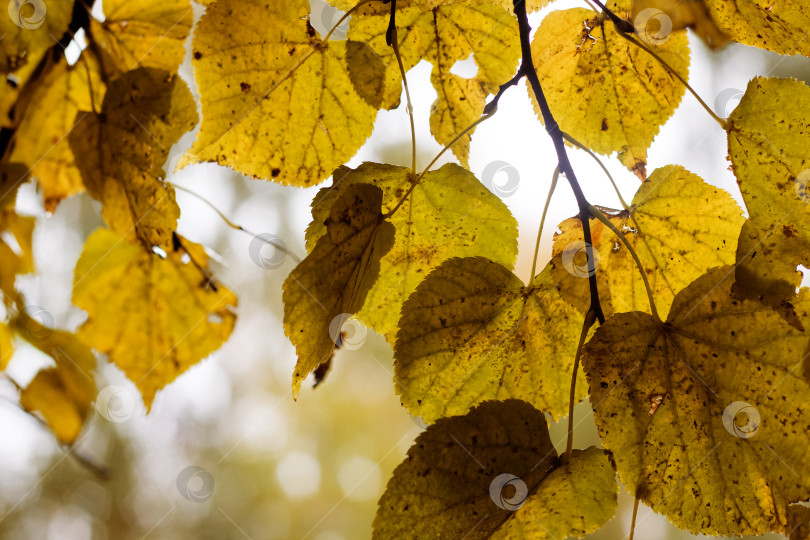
[[409, 103], [345, 16], [555, 133], [595, 212], [554, 178], [633, 522], [602, 165], [590, 316]]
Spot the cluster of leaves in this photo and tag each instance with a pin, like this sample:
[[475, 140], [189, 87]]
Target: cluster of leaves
[[698, 307]]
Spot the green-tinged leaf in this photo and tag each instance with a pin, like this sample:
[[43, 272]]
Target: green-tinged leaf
[[473, 332], [154, 317], [449, 214], [707, 415], [494, 474], [606, 93], [332, 282], [123, 149]]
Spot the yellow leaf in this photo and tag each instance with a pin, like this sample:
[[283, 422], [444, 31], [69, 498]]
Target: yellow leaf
[[678, 225], [472, 332], [6, 346], [775, 26], [487, 474], [448, 204], [659, 17], [426, 5], [61, 394], [768, 137], [29, 28], [154, 317], [443, 36], [281, 105], [706, 414], [16, 254], [148, 33], [13, 86], [332, 282], [123, 149], [799, 522], [603, 91], [41, 141]]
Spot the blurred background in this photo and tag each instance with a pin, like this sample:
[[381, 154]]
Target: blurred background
[[225, 451]]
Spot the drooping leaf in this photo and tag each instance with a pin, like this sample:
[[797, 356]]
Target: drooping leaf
[[332, 282], [154, 317], [678, 225], [16, 255], [494, 474], [606, 93], [449, 214], [707, 415], [30, 28], [148, 33], [672, 15], [277, 102], [775, 26], [768, 137], [443, 36], [123, 149], [41, 141], [473, 332]]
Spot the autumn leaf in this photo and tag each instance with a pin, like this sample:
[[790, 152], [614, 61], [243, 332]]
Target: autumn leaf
[[123, 149], [332, 282], [473, 332], [707, 414], [61, 394], [29, 29], [12, 88], [678, 225], [16, 253], [606, 93], [799, 522], [775, 26], [277, 101], [41, 140], [443, 36], [6, 346], [768, 138], [494, 474], [148, 33], [173, 313], [426, 5], [448, 204], [659, 17]]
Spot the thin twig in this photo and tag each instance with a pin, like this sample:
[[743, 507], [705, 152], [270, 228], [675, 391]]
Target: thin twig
[[586, 324], [554, 178]]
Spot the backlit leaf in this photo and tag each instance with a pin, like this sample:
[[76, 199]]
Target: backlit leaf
[[672, 15], [473, 332], [449, 214], [332, 282], [707, 415], [154, 317], [147, 33], [678, 225], [768, 137], [29, 28], [123, 149], [775, 26], [16, 255], [494, 474], [6, 346], [605, 92], [277, 101]]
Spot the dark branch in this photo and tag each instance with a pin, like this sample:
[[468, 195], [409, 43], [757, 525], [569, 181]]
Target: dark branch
[[553, 129]]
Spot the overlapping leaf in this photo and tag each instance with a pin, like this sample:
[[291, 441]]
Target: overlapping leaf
[[605, 92], [154, 317], [775, 26], [678, 225], [659, 17], [442, 36], [707, 415], [41, 141], [449, 214], [123, 149], [494, 474], [61, 394], [30, 28], [332, 282], [143, 34], [768, 137], [13, 86], [473, 332], [277, 101]]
